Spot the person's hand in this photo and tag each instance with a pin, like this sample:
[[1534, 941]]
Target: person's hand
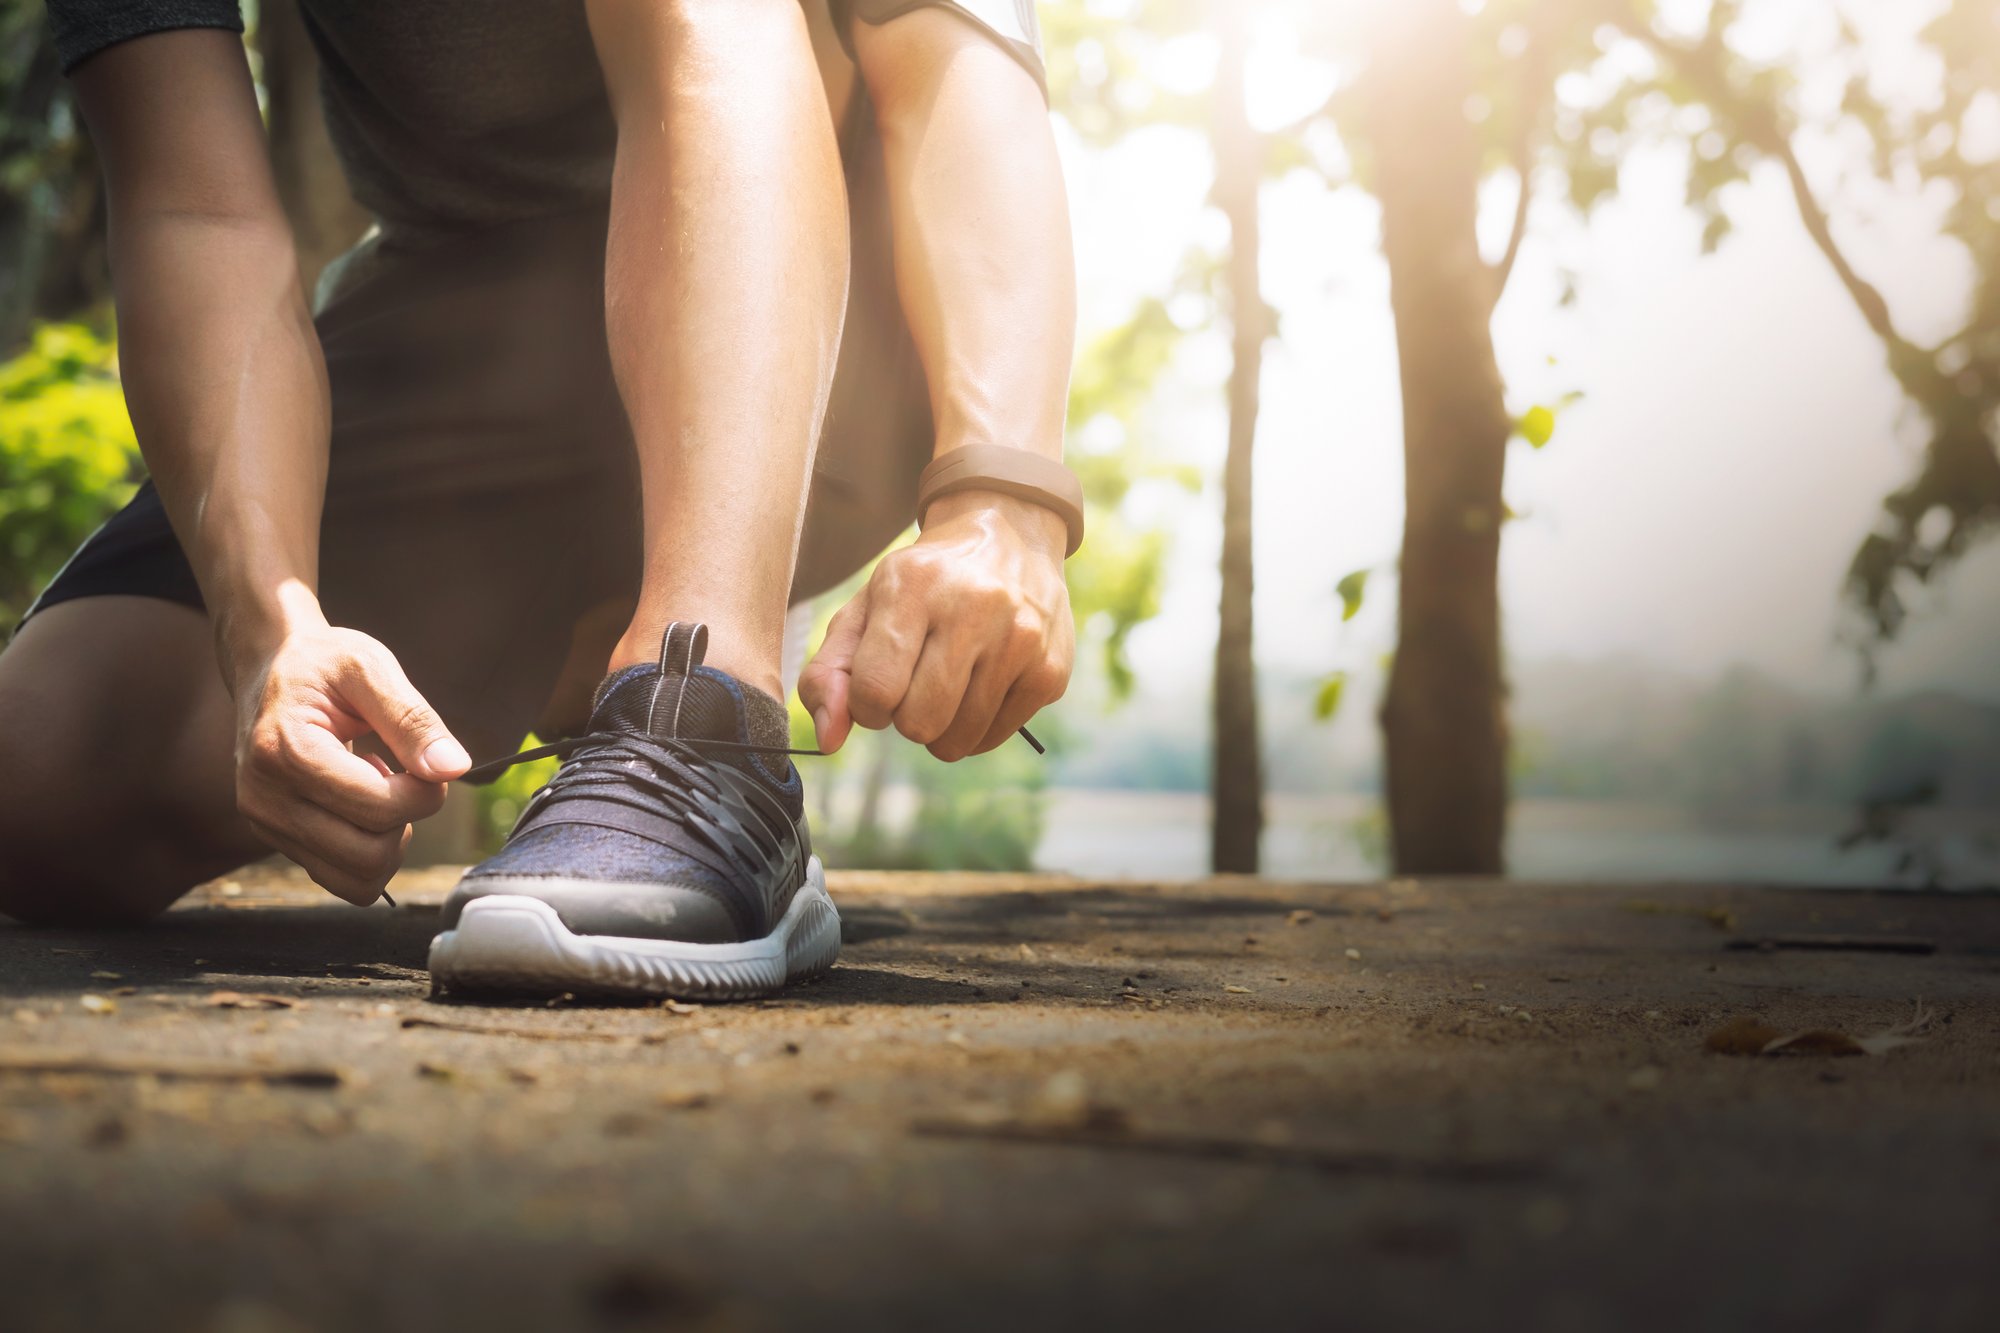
[[958, 638], [343, 816]]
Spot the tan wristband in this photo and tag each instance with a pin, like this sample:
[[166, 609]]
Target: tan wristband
[[1015, 472]]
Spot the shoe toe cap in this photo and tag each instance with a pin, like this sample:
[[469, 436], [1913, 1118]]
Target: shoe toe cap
[[686, 913]]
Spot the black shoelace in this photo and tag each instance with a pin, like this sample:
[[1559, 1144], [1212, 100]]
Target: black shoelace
[[563, 749], [671, 779], [691, 802]]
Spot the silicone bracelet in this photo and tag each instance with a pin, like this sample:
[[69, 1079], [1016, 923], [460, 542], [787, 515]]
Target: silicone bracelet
[[1015, 472]]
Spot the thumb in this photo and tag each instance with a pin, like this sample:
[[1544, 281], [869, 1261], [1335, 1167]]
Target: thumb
[[823, 684], [382, 696]]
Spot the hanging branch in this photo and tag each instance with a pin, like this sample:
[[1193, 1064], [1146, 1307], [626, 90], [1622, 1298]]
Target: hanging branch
[[1533, 97], [1761, 130]]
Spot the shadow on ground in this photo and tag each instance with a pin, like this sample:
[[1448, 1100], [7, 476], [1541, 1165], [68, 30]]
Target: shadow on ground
[[1018, 1102]]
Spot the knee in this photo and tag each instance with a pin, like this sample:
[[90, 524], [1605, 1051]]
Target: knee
[[78, 868], [44, 884]]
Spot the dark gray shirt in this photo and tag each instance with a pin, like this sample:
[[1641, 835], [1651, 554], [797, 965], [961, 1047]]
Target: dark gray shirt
[[463, 113]]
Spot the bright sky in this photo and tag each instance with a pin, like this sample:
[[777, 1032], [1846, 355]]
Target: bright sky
[[1697, 508]]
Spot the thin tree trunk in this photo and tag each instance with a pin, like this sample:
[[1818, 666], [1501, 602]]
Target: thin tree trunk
[[325, 219], [1444, 718], [30, 70], [1237, 781], [52, 215]]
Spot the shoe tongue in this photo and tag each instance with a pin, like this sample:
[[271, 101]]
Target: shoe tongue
[[705, 704], [678, 698]]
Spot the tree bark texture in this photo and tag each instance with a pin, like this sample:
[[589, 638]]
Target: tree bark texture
[[1444, 717], [1237, 778], [53, 262]]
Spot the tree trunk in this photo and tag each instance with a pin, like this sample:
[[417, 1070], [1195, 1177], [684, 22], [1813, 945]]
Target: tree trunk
[[1237, 781], [1444, 717], [325, 219], [52, 216]]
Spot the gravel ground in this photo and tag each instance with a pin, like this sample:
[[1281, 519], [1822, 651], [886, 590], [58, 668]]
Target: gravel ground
[[1022, 1102]]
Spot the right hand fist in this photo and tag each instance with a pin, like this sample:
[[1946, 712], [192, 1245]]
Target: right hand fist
[[345, 818]]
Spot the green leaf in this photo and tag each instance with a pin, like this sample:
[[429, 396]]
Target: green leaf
[[1537, 426], [1327, 702], [1350, 590]]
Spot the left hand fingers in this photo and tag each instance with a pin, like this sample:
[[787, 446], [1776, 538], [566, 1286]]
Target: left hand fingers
[[890, 646], [1034, 689], [937, 687], [1020, 704], [983, 695]]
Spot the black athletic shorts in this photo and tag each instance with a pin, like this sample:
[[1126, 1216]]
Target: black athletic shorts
[[482, 491]]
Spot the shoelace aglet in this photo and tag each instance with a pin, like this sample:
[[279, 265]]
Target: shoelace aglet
[[1029, 737], [387, 899]]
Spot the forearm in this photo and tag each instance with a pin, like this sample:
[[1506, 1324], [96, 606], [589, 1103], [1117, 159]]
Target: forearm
[[982, 240], [222, 367], [228, 395]]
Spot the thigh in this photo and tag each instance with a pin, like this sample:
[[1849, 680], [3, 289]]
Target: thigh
[[481, 489], [117, 776]]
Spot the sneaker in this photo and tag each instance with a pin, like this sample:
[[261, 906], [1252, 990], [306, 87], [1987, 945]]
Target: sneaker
[[667, 857]]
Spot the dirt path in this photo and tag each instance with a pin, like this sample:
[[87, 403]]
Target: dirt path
[[1020, 1103]]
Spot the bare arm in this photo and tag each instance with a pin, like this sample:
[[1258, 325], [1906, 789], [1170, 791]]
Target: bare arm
[[228, 394], [222, 368], [982, 243], [960, 638]]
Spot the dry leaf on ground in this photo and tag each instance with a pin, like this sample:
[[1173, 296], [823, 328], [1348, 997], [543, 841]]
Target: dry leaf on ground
[[229, 999], [1753, 1036], [1719, 917]]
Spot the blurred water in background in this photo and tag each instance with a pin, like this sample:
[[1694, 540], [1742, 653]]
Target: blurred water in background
[[1164, 835]]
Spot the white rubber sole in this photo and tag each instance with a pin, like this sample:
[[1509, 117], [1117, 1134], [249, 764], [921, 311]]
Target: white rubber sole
[[514, 943]]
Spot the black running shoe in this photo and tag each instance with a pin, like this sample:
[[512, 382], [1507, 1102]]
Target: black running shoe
[[667, 857]]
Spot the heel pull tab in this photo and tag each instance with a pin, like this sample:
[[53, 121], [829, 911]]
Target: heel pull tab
[[682, 649]]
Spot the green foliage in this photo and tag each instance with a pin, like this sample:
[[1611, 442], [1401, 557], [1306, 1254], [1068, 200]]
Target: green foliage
[[1115, 580], [1116, 591], [971, 816], [1730, 113], [1369, 832], [1351, 589], [1537, 426], [67, 455], [1327, 702], [1116, 370], [883, 803], [500, 800], [1097, 65]]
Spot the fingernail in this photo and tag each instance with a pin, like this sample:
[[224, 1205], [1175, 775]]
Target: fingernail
[[445, 755], [821, 726]]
